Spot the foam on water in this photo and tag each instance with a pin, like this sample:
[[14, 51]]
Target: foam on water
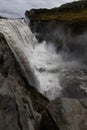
[[22, 42], [40, 63], [46, 63], [37, 61]]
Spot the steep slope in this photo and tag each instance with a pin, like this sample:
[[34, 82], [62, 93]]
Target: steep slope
[[70, 17], [16, 95], [16, 111], [65, 27], [71, 12], [16, 76]]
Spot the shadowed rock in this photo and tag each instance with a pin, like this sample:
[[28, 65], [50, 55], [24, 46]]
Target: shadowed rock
[[66, 114], [16, 110]]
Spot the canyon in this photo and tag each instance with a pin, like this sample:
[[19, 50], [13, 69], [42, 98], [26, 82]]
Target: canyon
[[43, 69]]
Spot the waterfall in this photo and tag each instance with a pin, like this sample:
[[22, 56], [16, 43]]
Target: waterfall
[[21, 42], [43, 67], [34, 59]]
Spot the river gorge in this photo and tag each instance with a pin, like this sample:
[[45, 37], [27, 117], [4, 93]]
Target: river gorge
[[43, 70]]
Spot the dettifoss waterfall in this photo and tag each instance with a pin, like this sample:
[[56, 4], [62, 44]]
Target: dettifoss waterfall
[[42, 66]]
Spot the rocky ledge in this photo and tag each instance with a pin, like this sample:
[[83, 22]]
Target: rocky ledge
[[71, 12], [65, 114], [65, 27], [23, 108], [20, 105], [71, 17]]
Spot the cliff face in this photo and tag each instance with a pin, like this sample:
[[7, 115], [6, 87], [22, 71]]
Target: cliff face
[[66, 114], [66, 28], [16, 96], [62, 26], [71, 12], [71, 16], [17, 111], [21, 106]]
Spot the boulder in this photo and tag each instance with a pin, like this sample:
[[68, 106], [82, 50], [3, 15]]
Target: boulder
[[65, 114], [16, 111]]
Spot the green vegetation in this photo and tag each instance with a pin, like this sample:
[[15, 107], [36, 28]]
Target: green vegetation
[[71, 12], [65, 16]]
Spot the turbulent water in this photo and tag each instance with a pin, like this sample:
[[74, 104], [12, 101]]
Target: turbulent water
[[44, 69]]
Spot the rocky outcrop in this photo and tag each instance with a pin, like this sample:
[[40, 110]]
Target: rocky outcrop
[[23, 108], [75, 6], [67, 12], [64, 27], [16, 109], [71, 17], [65, 114], [64, 37], [2, 17]]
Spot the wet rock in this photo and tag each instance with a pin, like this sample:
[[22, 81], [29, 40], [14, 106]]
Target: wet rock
[[16, 109], [6, 57], [16, 114], [66, 114], [9, 65]]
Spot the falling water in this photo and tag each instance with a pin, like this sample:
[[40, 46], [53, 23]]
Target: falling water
[[31, 56], [22, 42], [43, 68]]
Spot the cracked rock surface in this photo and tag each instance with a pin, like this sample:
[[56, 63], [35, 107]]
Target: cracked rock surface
[[65, 114], [16, 110], [26, 109]]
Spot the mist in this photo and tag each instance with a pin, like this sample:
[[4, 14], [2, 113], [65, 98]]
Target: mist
[[72, 45]]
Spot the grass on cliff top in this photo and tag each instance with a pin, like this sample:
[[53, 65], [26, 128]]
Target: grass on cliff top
[[80, 15]]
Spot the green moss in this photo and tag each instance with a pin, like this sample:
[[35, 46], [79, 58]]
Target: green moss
[[64, 16], [71, 12]]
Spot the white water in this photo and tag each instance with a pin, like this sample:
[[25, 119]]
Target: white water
[[22, 42], [46, 63], [38, 61]]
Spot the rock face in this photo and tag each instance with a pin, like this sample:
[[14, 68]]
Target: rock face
[[63, 27], [68, 12], [66, 28], [64, 37], [65, 114], [23, 108], [70, 17], [16, 110]]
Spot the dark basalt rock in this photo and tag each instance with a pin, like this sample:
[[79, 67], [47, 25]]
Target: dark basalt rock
[[66, 28], [65, 36], [66, 114], [16, 109], [23, 108], [2, 17], [71, 16]]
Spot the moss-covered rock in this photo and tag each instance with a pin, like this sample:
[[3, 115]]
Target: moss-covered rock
[[71, 12]]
